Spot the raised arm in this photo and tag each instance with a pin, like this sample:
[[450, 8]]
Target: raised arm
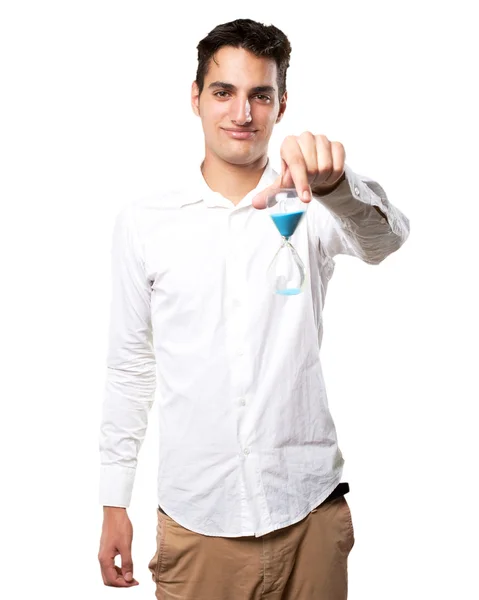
[[361, 221]]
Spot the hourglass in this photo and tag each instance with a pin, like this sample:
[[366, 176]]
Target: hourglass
[[286, 271]]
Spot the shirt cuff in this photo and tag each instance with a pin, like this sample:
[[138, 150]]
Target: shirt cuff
[[116, 485], [350, 196]]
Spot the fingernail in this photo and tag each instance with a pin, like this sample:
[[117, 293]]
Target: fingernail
[[128, 577], [306, 196]]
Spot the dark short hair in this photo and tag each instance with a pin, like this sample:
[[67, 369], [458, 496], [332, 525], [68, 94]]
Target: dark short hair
[[265, 41]]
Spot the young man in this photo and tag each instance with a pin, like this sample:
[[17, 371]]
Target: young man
[[250, 499]]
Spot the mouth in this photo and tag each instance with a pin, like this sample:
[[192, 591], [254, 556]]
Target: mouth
[[240, 134]]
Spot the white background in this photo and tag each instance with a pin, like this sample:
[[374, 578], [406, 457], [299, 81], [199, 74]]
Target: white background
[[95, 112]]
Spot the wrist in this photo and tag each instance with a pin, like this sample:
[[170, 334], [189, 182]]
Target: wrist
[[113, 509], [323, 190]]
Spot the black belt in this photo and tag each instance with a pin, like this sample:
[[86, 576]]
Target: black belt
[[341, 489]]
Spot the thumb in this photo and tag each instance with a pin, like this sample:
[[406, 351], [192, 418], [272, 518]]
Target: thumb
[[127, 565], [259, 201], [283, 180]]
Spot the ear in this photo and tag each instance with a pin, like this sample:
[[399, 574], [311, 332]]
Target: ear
[[195, 98], [282, 107]]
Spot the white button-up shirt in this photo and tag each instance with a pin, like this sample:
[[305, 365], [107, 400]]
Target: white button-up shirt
[[247, 444]]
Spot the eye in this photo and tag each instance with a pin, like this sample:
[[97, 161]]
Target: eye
[[263, 96], [220, 92]]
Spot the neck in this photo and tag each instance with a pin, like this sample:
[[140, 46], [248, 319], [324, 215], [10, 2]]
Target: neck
[[232, 181]]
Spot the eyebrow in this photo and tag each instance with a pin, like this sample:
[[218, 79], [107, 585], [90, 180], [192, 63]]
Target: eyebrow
[[229, 86]]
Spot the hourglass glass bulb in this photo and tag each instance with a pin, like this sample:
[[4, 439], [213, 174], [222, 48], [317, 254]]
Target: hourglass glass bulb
[[286, 271]]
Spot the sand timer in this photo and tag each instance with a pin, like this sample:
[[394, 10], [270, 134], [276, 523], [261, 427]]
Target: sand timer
[[286, 271]]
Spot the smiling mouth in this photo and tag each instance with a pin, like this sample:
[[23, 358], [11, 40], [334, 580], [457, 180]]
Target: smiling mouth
[[240, 134]]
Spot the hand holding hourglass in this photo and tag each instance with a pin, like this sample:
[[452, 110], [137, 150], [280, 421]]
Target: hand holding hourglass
[[309, 164]]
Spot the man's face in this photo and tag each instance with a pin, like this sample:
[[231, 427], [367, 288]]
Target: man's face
[[238, 105]]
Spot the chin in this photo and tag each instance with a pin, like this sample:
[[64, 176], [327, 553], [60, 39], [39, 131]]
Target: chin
[[247, 156]]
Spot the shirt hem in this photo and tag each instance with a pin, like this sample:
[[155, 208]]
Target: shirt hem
[[306, 512], [262, 532]]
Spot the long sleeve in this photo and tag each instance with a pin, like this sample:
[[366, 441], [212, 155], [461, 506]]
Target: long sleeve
[[354, 225], [131, 367]]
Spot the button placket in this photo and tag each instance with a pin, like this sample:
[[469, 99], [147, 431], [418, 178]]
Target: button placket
[[237, 281], [236, 278]]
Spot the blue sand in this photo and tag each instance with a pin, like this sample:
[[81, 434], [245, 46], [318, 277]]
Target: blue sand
[[289, 292], [287, 222]]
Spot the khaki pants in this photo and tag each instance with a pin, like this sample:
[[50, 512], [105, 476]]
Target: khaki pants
[[305, 561]]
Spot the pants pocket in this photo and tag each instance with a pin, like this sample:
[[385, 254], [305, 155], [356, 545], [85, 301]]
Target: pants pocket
[[156, 562], [349, 538]]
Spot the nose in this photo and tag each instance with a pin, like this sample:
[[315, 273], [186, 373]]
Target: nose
[[241, 112]]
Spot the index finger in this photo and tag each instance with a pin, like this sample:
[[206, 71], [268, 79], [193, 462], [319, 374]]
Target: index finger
[[294, 159], [112, 574]]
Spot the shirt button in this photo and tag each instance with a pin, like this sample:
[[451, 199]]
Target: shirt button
[[356, 191], [242, 401], [240, 351], [246, 451]]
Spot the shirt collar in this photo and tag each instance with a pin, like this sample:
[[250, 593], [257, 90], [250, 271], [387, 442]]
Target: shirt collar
[[200, 191]]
